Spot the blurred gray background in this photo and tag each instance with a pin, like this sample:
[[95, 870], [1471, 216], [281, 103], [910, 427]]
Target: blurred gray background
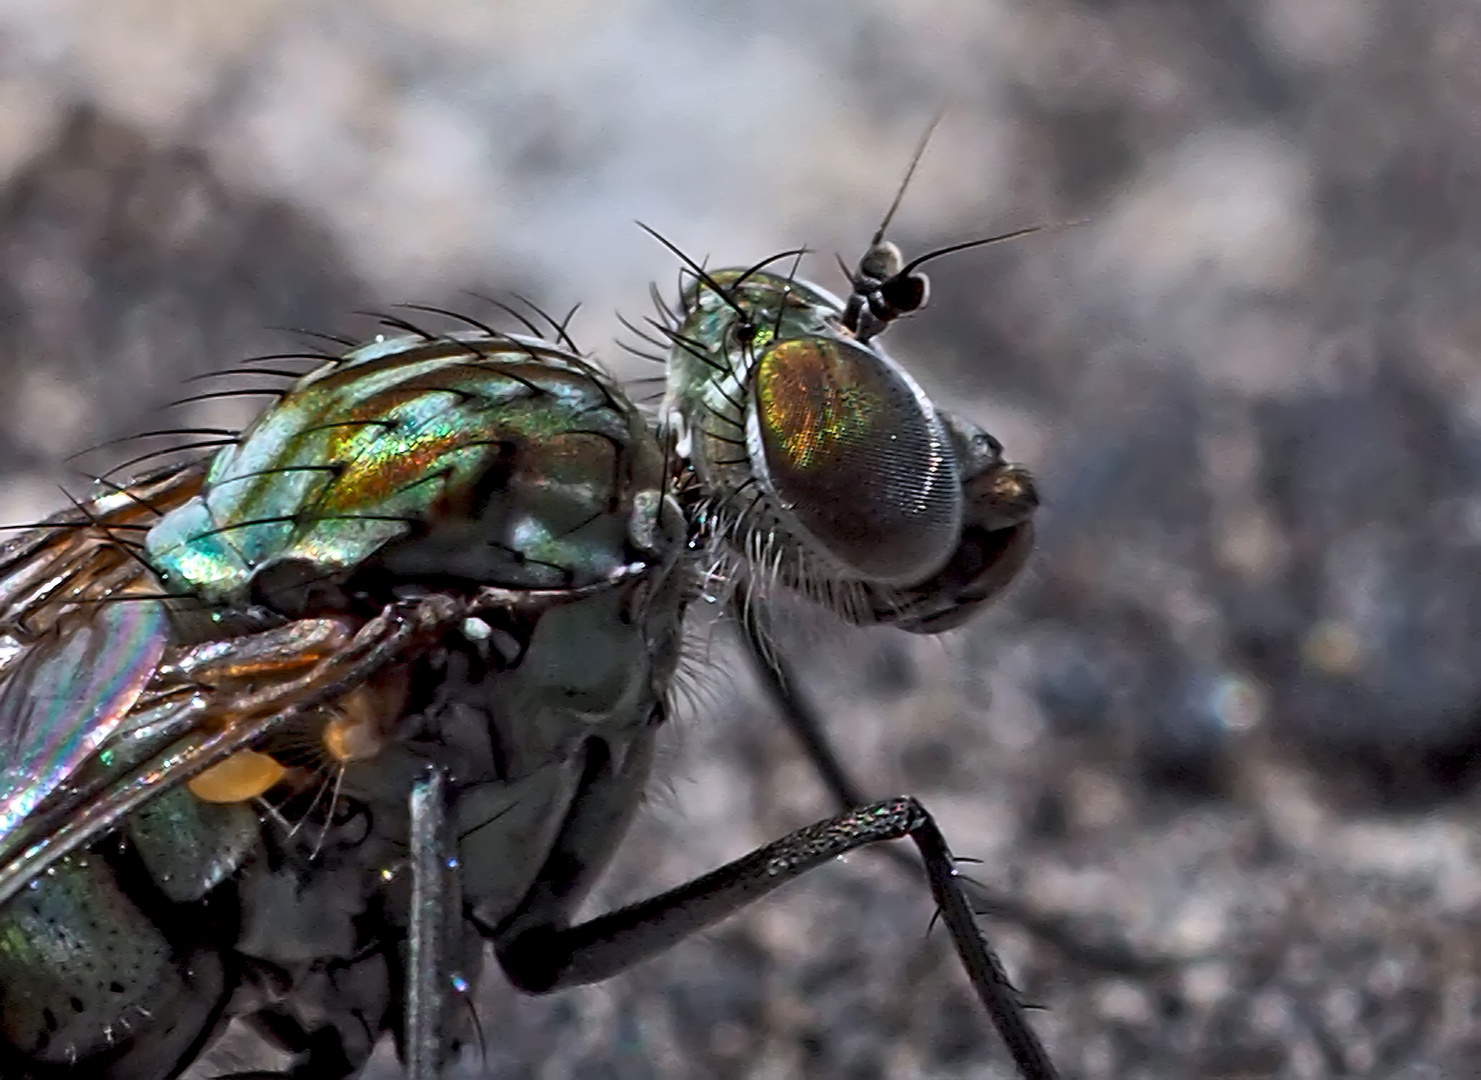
[[1231, 714]]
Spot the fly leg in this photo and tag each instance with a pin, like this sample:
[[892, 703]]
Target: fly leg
[[434, 900], [541, 959], [798, 714], [434, 903], [780, 682]]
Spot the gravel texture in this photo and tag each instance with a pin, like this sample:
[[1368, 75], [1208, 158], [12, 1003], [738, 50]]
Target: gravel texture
[[1231, 715]]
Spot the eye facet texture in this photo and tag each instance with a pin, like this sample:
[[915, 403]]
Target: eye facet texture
[[856, 456]]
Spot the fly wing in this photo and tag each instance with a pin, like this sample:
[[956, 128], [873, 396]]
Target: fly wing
[[201, 705], [82, 555], [66, 696], [80, 641], [157, 715], [76, 650]]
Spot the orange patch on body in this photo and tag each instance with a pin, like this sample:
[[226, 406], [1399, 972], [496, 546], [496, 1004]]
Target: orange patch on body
[[243, 776]]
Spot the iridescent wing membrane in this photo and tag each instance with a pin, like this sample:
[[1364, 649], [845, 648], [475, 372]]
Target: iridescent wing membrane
[[67, 698], [73, 662]]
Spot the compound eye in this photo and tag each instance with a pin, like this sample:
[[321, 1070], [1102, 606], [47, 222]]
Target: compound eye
[[853, 453]]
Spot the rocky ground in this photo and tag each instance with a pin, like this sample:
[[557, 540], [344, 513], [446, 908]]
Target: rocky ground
[[1231, 715]]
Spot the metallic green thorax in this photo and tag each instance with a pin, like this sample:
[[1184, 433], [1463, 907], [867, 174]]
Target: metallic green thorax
[[486, 459]]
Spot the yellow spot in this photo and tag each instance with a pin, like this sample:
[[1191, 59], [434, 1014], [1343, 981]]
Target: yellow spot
[[349, 739], [245, 775], [354, 732]]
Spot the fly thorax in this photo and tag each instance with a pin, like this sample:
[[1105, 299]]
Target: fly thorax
[[475, 457], [544, 518], [510, 693], [514, 712], [589, 671]]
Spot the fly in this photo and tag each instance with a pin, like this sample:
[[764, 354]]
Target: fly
[[288, 734]]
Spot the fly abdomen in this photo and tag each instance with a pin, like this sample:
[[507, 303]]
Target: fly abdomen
[[89, 980]]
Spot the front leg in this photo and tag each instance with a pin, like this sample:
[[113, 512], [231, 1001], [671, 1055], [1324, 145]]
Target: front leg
[[780, 682], [434, 912], [545, 958]]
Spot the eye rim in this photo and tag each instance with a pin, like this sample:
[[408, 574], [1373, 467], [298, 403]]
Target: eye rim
[[952, 598], [996, 543], [944, 486]]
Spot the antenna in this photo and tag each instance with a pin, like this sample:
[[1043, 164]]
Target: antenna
[[885, 287], [920, 152]]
